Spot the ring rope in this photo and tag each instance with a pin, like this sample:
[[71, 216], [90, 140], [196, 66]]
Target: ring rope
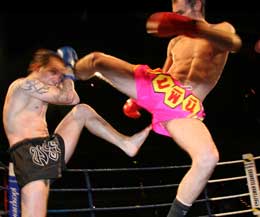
[[140, 187], [128, 169], [143, 168], [146, 206], [151, 205], [2, 188], [93, 208], [229, 213], [227, 179], [159, 186], [116, 188], [3, 166], [110, 208], [3, 169], [151, 168], [223, 197]]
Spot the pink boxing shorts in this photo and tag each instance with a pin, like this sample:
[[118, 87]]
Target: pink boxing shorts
[[165, 98]]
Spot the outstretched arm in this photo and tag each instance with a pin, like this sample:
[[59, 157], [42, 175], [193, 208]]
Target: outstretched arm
[[169, 24]]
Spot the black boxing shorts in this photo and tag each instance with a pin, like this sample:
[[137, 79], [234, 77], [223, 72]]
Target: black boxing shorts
[[38, 158]]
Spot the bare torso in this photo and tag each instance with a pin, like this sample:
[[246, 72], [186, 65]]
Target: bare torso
[[23, 115], [197, 62]]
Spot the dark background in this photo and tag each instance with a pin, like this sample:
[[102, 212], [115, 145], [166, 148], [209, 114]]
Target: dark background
[[118, 28]]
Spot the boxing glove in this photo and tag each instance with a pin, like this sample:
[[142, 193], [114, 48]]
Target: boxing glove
[[131, 109], [69, 55], [168, 24]]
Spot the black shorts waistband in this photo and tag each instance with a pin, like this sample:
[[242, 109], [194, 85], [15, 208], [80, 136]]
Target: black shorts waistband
[[33, 140]]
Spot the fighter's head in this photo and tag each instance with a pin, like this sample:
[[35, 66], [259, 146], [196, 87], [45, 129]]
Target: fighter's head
[[47, 66], [42, 58], [186, 7]]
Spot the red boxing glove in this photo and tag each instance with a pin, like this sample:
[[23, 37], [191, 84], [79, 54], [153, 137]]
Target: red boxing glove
[[131, 109], [168, 24]]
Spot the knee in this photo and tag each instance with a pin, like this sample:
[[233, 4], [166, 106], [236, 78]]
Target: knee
[[96, 57], [88, 65], [92, 57], [208, 160], [97, 61], [83, 112]]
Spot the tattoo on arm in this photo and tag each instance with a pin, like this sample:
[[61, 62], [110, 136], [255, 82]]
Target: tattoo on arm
[[35, 86]]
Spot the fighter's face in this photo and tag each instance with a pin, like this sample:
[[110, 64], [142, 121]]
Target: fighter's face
[[181, 7], [52, 73]]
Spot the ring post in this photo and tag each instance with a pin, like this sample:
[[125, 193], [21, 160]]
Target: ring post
[[14, 196], [252, 183]]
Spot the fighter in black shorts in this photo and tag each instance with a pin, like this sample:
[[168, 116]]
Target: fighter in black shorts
[[37, 156]]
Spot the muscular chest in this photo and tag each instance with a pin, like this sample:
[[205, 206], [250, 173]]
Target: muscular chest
[[189, 48]]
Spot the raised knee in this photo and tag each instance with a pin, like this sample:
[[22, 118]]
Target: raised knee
[[86, 66], [208, 160], [83, 111], [96, 56]]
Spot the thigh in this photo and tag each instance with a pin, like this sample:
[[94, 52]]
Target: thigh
[[123, 82], [119, 73], [34, 197], [70, 129], [191, 135]]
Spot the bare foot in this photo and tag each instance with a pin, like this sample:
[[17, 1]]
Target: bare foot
[[133, 143]]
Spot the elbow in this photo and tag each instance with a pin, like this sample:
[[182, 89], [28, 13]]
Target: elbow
[[97, 59], [76, 100], [73, 99], [70, 98]]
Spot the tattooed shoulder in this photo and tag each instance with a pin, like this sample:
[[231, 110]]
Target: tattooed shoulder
[[34, 85]]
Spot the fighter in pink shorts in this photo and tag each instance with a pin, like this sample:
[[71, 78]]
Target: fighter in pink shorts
[[165, 98]]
